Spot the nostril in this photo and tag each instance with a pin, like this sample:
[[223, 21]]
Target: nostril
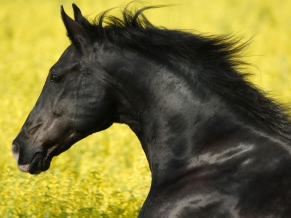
[[15, 151], [34, 129]]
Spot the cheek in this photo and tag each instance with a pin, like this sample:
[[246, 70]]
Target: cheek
[[91, 111], [89, 102], [89, 121]]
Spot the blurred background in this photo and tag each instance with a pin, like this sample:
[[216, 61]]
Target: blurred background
[[106, 174]]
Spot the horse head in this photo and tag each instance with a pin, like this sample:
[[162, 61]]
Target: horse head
[[76, 101]]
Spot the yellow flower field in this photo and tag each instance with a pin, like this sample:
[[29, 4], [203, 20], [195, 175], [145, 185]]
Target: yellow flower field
[[106, 174]]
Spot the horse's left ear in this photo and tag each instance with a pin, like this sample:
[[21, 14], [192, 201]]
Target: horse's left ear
[[79, 17], [77, 34]]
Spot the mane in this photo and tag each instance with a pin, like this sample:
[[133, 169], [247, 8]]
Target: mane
[[219, 56]]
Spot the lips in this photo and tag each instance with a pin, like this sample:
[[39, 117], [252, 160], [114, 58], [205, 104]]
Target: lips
[[40, 161], [36, 164], [35, 159]]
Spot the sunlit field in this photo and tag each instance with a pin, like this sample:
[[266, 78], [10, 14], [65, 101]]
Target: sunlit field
[[106, 174]]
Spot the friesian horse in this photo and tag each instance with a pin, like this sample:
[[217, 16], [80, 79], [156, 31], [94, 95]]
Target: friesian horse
[[216, 145]]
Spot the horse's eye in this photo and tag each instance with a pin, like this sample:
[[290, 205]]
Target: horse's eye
[[55, 78]]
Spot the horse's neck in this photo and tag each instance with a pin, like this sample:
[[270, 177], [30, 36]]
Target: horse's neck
[[174, 117]]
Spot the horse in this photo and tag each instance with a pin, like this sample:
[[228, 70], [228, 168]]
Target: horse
[[217, 146]]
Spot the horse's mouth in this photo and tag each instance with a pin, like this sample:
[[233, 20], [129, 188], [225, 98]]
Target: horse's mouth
[[39, 163], [42, 157]]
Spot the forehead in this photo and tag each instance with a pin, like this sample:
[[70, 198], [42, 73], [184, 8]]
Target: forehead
[[70, 56]]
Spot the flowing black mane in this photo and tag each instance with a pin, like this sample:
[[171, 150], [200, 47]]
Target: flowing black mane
[[219, 56]]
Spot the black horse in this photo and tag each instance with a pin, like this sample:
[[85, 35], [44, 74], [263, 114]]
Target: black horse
[[216, 145]]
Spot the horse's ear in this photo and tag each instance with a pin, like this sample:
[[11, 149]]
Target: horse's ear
[[77, 34], [79, 17]]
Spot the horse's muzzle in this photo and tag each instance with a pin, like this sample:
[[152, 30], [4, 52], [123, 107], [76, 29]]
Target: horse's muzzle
[[15, 152]]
